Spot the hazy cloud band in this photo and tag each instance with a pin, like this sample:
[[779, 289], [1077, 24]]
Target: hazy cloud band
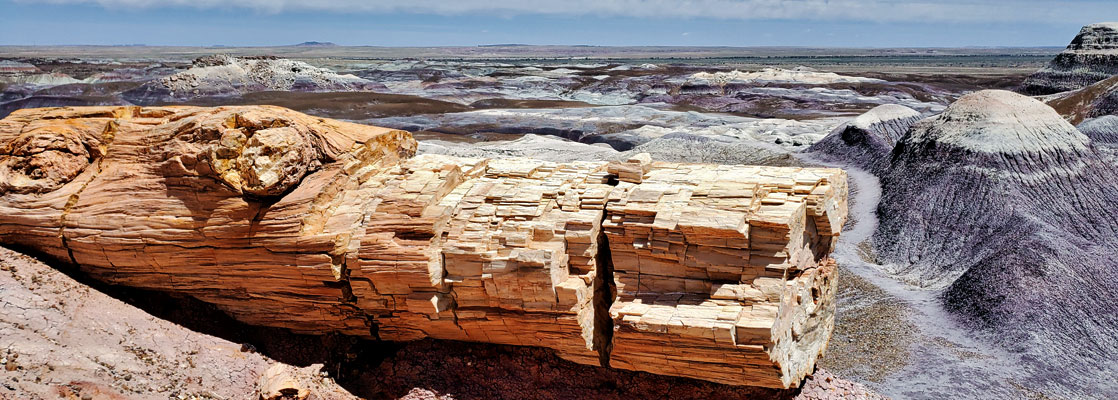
[[865, 10]]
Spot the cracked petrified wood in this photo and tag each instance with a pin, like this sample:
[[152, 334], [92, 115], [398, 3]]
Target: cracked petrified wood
[[320, 226]]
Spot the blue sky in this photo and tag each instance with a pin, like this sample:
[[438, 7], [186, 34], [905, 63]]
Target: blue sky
[[868, 23]]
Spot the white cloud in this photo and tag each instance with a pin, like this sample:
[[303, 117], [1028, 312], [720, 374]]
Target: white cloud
[[1080, 11]]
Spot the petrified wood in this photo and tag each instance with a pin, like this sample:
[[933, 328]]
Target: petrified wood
[[320, 226]]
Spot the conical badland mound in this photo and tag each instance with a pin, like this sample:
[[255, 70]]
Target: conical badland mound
[[1011, 209], [867, 140]]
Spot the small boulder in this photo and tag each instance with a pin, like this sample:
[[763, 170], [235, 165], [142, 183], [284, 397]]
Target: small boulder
[[281, 381]]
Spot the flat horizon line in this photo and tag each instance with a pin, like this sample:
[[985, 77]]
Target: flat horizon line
[[517, 45]]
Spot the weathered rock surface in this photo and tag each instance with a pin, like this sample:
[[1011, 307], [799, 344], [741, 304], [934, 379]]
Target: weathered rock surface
[[766, 93], [1103, 132], [539, 147], [683, 147], [1010, 209], [800, 75], [281, 382], [678, 147], [16, 67], [621, 127], [223, 75], [320, 226], [1091, 57], [867, 140], [40, 79]]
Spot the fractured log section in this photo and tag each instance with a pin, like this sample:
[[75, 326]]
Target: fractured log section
[[319, 226]]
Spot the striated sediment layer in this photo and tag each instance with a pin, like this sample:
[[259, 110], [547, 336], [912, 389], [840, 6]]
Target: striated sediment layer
[[1091, 57], [224, 75], [319, 226], [1102, 130]]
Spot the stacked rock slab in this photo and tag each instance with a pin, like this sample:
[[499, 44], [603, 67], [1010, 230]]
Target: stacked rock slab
[[498, 251], [319, 226], [724, 264]]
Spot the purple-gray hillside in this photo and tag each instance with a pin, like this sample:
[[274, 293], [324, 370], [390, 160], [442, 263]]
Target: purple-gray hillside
[[867, 140], [1012, 210]]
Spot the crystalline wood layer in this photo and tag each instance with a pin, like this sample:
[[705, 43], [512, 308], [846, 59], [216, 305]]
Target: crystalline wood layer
[[319, 226]]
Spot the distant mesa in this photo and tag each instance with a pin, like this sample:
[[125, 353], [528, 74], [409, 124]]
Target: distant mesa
[[867, 140], [1009, 208], [798, 75], [16, 67], [1091, 57], [42, 79], [316, 44]]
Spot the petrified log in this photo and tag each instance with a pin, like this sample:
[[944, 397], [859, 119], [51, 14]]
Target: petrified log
[[319, 226]]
